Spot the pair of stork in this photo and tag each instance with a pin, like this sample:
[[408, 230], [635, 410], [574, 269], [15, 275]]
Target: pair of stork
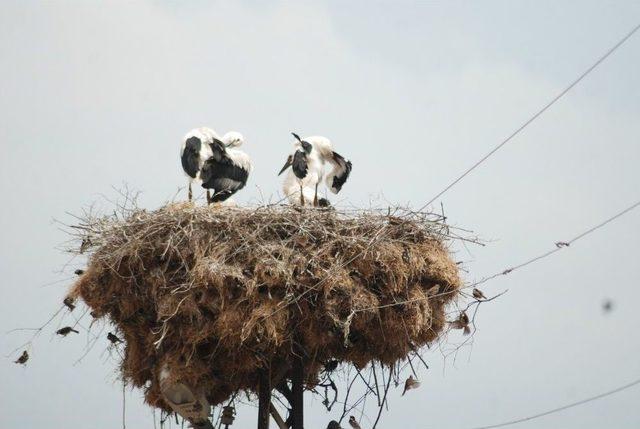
[[221, 167]]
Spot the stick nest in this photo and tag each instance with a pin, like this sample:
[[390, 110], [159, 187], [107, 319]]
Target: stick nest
[[217, 294]]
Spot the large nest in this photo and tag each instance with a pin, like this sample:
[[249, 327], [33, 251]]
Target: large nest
[[217, 294]]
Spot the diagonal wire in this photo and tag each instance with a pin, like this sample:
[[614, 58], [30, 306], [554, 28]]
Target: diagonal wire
[[535, 116], [559, 245], [562, 408]]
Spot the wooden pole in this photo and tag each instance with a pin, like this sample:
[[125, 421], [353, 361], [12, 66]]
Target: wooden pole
[[278, 418], [264, 399], [297, 380]]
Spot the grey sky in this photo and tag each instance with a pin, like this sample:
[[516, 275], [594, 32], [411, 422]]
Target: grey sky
[[94, 94]]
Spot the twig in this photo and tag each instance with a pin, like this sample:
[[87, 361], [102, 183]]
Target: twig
[[384, 399]]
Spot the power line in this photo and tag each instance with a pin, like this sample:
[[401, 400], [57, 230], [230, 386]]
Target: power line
[[559, 245], [535, 116], [562, 408]]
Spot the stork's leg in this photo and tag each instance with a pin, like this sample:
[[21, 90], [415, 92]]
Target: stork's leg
[[315, 197], [190, 192], [301, 196], [208, 197]]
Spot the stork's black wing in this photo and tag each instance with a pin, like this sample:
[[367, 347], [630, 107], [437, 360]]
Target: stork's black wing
[[219, 154], [299, 164], [221, 174], [342, 171], [190, 156], [219, 150]]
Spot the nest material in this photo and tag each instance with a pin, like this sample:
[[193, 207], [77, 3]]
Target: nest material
[[217, 294]]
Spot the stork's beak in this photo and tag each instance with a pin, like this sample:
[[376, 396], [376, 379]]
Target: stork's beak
[[297, 137], [286, 165]]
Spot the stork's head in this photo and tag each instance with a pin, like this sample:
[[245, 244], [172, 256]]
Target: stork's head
[[305, 145], [233, 139]]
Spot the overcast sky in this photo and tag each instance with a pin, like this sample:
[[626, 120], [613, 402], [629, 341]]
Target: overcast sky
[[97, 94]]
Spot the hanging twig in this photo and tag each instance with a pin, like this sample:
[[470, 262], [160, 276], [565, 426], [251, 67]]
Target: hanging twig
[[384, 399], [124, 402], [346, 400]]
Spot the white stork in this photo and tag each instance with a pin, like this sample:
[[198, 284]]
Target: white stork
[[198, 148], [307, 169], [228, 168]]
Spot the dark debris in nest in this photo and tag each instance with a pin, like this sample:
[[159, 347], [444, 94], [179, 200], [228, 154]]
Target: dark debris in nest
[[218, 293]]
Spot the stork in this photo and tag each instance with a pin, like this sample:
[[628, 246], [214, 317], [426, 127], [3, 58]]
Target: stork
[[195, 150], [307, 168], [227, 169]]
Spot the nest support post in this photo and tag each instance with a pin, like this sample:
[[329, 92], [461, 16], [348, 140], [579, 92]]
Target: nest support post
[[264, 399], [297, 393]]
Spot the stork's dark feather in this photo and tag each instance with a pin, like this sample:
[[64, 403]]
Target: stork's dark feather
[[221, 174], [191, 155], [306, 146], [299, 164], [345, 169], [298, 161], [218, 149]]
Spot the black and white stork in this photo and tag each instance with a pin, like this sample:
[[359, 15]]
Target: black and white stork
[[228, 168], [195, 150], [215, 162], [307, 170]]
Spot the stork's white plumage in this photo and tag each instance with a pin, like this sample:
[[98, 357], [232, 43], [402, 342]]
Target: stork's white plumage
[[291, 189], [307, 168]]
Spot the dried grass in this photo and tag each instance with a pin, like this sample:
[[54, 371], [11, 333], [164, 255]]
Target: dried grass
[[219, 293]]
